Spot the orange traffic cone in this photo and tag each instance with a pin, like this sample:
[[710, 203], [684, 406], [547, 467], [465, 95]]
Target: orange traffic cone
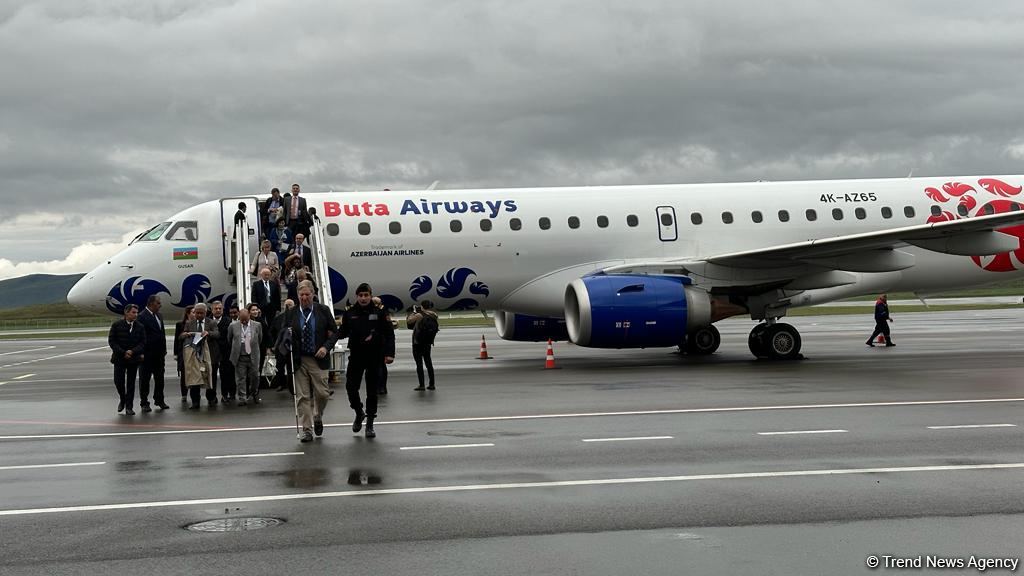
[[880, 339], [483, 349], [549, 360]]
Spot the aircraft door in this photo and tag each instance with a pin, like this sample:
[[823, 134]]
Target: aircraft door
[[228, 208], [667, 224]]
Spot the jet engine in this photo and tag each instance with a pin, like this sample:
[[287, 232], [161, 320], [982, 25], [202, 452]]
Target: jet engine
[[634, 311], [523, 328]]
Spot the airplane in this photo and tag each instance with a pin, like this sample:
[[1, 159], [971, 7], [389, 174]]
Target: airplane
[[604, 266]]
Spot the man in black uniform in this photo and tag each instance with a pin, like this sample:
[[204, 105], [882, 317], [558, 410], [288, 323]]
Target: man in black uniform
[[371, 338], [156, 351], [882, 320], [127, 340]]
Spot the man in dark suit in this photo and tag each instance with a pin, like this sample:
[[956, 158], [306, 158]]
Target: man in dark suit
[[314, 334], [155, 353], [266, 293], [127, 340], [225, 369], [295, 212], [302, 250], [218, 354]]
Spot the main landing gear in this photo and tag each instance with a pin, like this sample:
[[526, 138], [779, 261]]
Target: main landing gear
[[702, 341], [775, 341]]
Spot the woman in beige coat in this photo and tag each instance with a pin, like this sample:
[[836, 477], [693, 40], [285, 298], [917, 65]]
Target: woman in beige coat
[[198, 365]]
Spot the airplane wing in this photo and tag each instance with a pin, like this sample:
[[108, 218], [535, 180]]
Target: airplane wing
[[866, 252]]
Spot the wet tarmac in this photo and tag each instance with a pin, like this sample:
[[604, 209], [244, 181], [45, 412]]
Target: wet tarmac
[[618, 462]]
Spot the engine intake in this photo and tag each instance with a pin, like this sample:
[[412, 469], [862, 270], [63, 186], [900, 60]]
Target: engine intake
[[633, 311], [523, 328]]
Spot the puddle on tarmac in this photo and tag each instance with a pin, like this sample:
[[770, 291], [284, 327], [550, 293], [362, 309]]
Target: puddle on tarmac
[[299, 478], [363, 477]]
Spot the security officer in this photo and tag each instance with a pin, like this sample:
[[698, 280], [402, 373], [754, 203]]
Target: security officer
[[371, 339]]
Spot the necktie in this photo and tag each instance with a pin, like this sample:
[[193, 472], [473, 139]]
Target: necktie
[[298, 250], [307, 332], [266, 286], [245, 338], [200, 326], [295, 206]]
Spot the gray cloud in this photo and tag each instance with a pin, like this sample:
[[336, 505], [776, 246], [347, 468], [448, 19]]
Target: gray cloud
[[148, 107]]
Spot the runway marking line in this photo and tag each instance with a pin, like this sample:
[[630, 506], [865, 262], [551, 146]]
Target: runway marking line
[[188, 427], [29, 350], [972, 426], [57, 356], [786, 432], [225, 457], [513, 486], [534, 417], [68, 465], [442, 446], [23, 376], [627, 439]]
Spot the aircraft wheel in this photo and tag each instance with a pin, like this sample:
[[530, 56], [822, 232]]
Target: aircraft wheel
[[703, 341], [756, 341], [782, 342]]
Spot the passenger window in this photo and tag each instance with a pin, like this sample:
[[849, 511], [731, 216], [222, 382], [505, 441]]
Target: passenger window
[[811, 215], [962, 210], [426, 226], [486, 225], [727, 217], [696, 218], [988, 209], [666, 219], [1014, 206], [364, 229], [186, 230], [886, 212], [333, 229], [544, 223], [632, 221], [861, 213], [783, 216], [602, 221], [154, 233], [837, 214], [395, 227], [757, 217], [456, 225], [515, 224], [936, 211], [908, 211], [574, 222]]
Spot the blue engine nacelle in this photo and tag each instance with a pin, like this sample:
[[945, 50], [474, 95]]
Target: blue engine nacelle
[[523, 328], [633, 311]]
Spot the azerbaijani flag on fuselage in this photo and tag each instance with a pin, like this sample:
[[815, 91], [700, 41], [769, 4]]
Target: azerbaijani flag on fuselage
[[191, 253]]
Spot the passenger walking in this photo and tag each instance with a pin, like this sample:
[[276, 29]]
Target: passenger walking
[[313, 337], [424, 325], [127, 340], [283, 379], [371, 339], [154, 355], [245, 336], [218, 351], [882, 320], [198, 337], [179, 357]]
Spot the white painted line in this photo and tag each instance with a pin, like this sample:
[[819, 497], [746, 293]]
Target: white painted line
[[440, 446], [801, 432], [23, 376], [517, 485], [627, 439], [51, 465], [2, 383], [29, 350], [972, 426], [537, 417], [57, 356], [255, 455]]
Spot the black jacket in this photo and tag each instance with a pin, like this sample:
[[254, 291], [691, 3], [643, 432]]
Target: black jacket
[[156, 338], [259, 297], [122, 338], [325, 333], [369, 330]]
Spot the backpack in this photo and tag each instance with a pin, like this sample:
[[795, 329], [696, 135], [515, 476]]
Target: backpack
[[427, 328]]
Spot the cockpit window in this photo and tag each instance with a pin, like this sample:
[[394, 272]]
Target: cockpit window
[[184, 231], [153, 234]]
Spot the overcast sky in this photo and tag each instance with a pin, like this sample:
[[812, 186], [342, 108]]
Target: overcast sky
[[115, 114]]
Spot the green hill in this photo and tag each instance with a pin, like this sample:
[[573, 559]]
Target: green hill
[[36, 289]]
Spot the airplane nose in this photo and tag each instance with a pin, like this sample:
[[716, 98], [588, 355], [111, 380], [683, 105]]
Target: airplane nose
[[84, 296]]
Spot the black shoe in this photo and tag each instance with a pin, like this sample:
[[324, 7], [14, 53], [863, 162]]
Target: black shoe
[[212, 401], [184, 399], [257, 400], [162, 406], [870, 344], [419, 388], [146, 409], [431, 387], [130, 412], [241, 402], [357, 424], [318, 427], [120, 406], [889, 344], [306, 436], [369, 428], [194, 407], [382, 392]]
